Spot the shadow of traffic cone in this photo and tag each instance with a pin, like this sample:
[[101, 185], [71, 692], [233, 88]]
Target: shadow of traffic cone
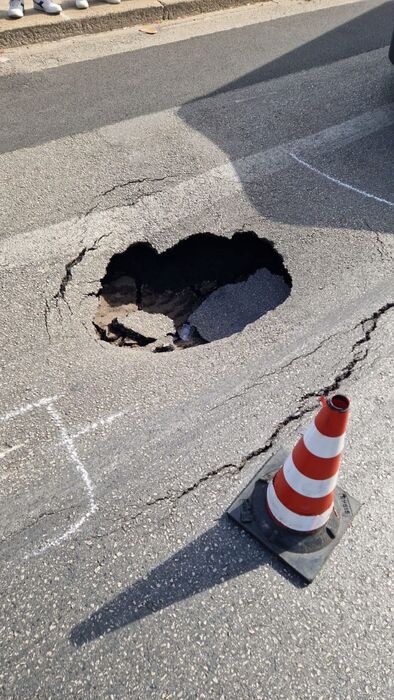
[[293, 504]]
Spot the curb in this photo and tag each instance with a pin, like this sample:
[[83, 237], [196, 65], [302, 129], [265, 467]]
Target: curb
[[127, 15]]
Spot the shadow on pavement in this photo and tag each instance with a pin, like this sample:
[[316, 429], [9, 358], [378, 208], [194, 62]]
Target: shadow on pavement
[[79, 97], [219, 555], [300, 107], [369, 31]]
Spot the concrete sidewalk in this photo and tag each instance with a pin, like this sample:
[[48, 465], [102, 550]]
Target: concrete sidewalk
[[37, 26]]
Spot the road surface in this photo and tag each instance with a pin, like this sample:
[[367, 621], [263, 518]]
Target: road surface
[[121, 576]]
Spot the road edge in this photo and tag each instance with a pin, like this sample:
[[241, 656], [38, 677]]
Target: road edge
[[126, 15]]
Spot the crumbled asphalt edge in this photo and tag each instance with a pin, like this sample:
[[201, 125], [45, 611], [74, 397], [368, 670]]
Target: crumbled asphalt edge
[[61, 293], [259, 254], [306, 405]]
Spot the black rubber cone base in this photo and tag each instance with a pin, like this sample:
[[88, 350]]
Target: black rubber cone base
[[305, 553]]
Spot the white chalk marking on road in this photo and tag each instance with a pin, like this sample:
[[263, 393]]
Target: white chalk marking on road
[[28, 407], [90, 428], [339, 182], [68, 443], [102, 422], [10, 449]]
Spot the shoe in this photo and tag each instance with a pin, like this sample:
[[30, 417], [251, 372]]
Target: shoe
[[16, 9], [81, 4], [51, 8], [112, 2]]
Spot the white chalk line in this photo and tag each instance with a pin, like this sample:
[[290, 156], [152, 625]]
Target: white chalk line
[[339, 182], [68, 443], [89, 428], [102, 422], [28, 407], [67, 440], [11, 449]]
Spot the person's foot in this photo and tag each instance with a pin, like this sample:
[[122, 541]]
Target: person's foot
[[51, 8], [81, 4], [16, 9], [112, 2]]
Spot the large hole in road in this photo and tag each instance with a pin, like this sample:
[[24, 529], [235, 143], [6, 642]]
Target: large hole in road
[[204, 288]]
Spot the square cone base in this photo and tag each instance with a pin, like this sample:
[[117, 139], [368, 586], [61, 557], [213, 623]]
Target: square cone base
[[305, 553]]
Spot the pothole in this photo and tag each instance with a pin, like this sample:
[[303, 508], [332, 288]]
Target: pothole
[[204, 288]]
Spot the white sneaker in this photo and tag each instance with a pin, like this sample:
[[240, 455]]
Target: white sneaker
[[16, 9], [51, 8], [112, 2], [81, 4]]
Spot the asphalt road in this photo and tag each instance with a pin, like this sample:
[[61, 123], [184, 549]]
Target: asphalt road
[[120, 575]]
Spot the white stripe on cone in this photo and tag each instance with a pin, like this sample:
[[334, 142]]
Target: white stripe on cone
[[313, 488], [294, 521], [321, 445]]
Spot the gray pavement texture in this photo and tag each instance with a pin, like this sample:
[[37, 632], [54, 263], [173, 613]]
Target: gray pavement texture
[[120, 575]]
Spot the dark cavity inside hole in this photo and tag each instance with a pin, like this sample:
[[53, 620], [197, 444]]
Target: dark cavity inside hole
[[150, 299]]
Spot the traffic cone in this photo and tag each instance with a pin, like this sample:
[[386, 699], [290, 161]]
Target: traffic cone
[[293, 505], [301, 495]]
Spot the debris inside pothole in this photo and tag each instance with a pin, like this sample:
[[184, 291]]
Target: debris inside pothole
[[204, 288]]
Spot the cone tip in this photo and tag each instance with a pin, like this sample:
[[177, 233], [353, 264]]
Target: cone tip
[[339, 403]]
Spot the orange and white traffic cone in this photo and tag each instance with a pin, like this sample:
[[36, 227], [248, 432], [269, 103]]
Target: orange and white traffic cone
[[293, 505], [301, 494]]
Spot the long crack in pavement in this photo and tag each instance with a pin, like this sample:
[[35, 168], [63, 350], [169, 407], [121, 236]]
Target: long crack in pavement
[[129, 183], [44, 515], [305, 406]]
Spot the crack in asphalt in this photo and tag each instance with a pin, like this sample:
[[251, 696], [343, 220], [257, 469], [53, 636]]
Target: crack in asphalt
[[32, 523], [372, 320], [379, 241], [128, 202], [278, 371], [304, 407], [47, 310], [128, 183], [60, 294], [381, 246]]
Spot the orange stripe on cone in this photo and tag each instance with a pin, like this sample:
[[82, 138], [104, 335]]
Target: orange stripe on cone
[[312, 466], [303, 505]]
